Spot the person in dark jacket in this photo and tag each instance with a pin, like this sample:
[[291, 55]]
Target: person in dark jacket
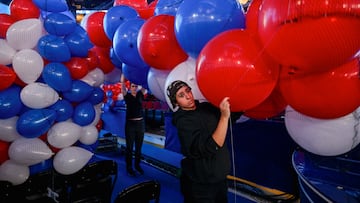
[[202, 130], [134, 125]]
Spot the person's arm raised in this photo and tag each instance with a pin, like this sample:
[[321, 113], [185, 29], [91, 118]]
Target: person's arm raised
[[123, 86]]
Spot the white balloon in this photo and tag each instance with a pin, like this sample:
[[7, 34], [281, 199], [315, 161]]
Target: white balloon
[[8, 132], [98, 113], [64, 134], [89, 135], [38, 95], [185, 71], [24, 34], [70, 160], [113, 76], [324, 137], [13, 172], [94, 78], [156, 82], [28, 65], [29, 151], [7, 53]]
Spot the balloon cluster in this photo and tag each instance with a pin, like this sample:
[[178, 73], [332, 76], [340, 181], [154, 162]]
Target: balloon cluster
[[276, 56], [50, 89], [113, 95]]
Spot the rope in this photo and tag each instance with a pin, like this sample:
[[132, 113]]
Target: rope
[[233, 156]]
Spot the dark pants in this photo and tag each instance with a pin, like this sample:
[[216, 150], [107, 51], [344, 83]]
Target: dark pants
[[203, 192], [134, 134]]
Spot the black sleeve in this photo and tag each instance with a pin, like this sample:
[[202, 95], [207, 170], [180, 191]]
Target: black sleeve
[[235, 115]]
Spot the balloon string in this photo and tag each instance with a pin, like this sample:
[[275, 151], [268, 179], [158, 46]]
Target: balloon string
[[233, 157]]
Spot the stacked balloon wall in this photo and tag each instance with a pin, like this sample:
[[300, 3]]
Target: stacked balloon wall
[[57, 76]]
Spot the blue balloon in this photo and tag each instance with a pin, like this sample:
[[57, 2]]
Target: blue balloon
[[51, 5], [109, 94], [105, 107], [167, 7], [125, 42], [53, 48], [35, 122], [91, 148], [137, 75], [10, 102], [41, 167], [84, 114], [57, 76], [68, 13], [197, 22], [110, 102], [114, 59], [78, 42], [79, 92], [64, 110], [97, 96], [115, 16], [59, 24]]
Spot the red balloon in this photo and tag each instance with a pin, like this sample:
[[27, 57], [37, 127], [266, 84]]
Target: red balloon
[[7, 77], [23, 9], [43, 137], [78, 67], [325, 95], [146, 13], [132, 3], [252, 16], [19, 82], [92, 59], [4, 148], [103, 55], [233, 65], [157, 43], [95, 29], [313, 36], [5, 21], [274, 105], [99, 125]]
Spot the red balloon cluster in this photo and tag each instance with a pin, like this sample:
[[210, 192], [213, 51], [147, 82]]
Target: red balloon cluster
[[316, 44], [114, 88], [313, 36], [326, 95]]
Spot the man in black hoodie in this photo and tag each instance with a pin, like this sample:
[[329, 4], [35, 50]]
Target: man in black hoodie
[[202, 130]]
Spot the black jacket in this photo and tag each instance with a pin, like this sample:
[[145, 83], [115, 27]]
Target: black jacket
[[205, 161]]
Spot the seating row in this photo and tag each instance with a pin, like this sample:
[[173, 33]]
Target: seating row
[[93, 183]]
